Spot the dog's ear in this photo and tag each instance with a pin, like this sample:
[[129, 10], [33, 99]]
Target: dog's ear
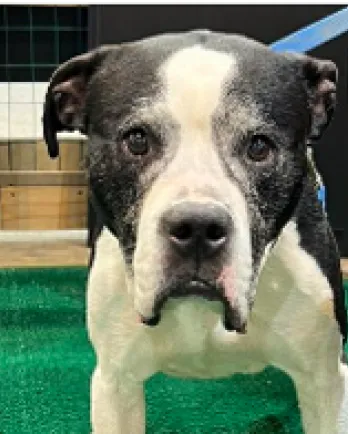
[[321, 81], [64, 106]]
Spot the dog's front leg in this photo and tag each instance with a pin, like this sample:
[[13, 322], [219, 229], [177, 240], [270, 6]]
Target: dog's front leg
[[117, 406], [323, 400]]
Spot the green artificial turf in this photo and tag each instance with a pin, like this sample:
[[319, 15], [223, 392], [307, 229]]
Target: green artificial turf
[[46, 362]]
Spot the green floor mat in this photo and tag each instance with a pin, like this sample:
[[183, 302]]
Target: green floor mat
[[46, 362]]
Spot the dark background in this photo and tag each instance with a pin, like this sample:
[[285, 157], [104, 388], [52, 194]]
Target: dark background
[[114, 24], [34, 40]]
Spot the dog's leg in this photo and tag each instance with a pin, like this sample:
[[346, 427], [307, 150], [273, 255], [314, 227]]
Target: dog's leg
[[117, 402], [343, 410], [323, 400], [320, 378], [117, 406], [307, 321]]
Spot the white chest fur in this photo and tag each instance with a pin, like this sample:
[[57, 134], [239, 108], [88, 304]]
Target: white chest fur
[[293, 313]]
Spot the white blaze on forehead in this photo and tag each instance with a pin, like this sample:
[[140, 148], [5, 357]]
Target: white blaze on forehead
[[194, 79], [193, 89]]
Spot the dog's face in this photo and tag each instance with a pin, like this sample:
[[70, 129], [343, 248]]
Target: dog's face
[[197, 155]]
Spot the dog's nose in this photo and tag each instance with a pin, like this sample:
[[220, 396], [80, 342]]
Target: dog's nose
[[197, 229]]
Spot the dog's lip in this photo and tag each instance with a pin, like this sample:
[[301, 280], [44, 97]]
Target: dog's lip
[[194, 287], [152, 321], [200, 288], [232, 321]]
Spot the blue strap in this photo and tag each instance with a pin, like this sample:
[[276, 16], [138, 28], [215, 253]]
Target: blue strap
[[322, 195], [315, 34]]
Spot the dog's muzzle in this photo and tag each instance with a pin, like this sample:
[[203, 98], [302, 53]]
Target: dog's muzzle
[[196, 236]]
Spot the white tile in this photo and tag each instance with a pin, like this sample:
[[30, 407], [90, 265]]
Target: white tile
[[22, 121], [4, 123], [70, 135], [38, 121], [40, 89], [4, 90], [21, 92]]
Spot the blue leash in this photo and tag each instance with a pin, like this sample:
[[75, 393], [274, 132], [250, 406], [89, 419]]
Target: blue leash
[[315, 34]]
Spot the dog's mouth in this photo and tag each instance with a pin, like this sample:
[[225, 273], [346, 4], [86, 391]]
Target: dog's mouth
[[201, 289]]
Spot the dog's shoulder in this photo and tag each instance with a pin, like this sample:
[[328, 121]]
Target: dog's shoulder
[[317, 240]]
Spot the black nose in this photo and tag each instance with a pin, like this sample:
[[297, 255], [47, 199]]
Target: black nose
[[197, 229]]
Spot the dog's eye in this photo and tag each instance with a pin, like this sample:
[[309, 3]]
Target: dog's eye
[[259, 148], [136, 141]]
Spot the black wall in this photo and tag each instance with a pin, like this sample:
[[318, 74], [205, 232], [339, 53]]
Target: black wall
[[114, 24]]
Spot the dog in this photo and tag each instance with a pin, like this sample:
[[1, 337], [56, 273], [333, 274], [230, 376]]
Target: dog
[[214, 255]]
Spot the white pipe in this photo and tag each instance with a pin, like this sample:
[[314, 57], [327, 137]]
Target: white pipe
[[75, 235]]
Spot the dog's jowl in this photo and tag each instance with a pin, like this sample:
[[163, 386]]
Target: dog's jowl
[[215, 256]]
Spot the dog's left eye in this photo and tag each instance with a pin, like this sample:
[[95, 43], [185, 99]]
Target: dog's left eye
[[136, 140], [259, 149]]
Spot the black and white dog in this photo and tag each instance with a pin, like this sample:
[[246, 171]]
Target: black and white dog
[[216, 256]]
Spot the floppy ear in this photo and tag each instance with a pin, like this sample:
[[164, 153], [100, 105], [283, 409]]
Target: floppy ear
[[321, 79], [64, 106]]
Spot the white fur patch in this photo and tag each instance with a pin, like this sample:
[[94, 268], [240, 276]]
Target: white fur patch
[[193, 88], [194, 79], [311, 280]]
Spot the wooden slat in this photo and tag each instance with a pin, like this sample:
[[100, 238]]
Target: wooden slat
[[15, 195], [46, 223], [4, 160], [10, 177], [23, 155], [43, 207], [70, 155], [43, 161], [25, 210]]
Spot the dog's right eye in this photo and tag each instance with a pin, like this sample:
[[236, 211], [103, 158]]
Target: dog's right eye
[[259, 149], [136, 141]]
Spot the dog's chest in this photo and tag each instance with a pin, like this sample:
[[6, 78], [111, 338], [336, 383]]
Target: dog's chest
[[286, 320], [192, 342], [287, 324]]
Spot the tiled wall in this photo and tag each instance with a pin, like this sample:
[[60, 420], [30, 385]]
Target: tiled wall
[[21, 106], [21, 110]]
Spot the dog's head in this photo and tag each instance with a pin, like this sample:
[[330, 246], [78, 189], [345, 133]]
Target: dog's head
[[196, 156]]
